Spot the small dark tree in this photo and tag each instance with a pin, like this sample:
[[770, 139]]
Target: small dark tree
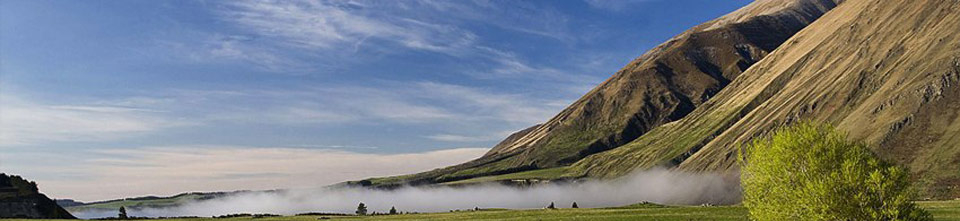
[[361, 209], [393, 210], [574, 205], [123, 213], [551, 206]]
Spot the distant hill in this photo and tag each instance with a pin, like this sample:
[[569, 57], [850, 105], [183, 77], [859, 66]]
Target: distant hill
[[150, 201], [885, 71], [68, 202], [20, 198]]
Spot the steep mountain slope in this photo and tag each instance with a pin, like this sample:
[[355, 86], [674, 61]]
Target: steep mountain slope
[[663, 85], [20, 198], [884, 71]]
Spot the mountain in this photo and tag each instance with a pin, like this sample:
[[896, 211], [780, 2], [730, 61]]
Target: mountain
[[663, 85], [20, 198], [886, 72]]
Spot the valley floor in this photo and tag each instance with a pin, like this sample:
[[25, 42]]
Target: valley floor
[[941, 210]]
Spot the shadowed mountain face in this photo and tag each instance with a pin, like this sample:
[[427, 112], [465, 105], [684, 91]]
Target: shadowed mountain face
[[886, 72], [20, 198], [662, 86]]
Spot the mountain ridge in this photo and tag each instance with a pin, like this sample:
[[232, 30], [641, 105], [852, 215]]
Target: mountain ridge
[[885, 72], [663, 85]]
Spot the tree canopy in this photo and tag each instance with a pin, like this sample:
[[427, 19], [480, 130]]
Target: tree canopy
[[810, 171], [361, 209]]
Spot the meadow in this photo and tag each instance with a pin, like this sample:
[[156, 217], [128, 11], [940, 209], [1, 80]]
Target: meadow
[[941, 210]]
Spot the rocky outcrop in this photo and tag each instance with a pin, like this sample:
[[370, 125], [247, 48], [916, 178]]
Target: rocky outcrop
[[20, 198]]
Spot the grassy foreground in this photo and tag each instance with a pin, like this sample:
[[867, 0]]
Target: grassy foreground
[[941, 210]]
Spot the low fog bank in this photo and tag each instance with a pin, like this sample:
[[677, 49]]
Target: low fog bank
[[657, 185]]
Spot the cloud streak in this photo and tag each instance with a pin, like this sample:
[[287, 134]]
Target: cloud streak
[[24, 122], [168, 170], [341, 24], [459, 113], [392, 102], [338, 34]]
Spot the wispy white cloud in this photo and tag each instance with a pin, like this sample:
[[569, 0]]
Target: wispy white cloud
[[389, 103], [343, 24], [116, 173], [507, 65], [520, 16], [315, 105], [216, 48], [277, 34], [485, 111], [24, 122], [486, 105]]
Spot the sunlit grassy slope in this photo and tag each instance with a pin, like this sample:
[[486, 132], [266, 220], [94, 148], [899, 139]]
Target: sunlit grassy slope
[[941, 210]]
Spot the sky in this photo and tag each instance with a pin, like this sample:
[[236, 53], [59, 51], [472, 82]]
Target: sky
[[110, 99]]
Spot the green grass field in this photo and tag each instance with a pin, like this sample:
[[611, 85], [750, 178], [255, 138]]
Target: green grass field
[[941, 210]]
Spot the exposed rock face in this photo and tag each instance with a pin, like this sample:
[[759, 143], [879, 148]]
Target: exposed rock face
[[887, 72], [662, 86], [20, 198]]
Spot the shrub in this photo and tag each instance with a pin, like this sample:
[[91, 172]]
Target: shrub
[[361, 209], [811, 172]]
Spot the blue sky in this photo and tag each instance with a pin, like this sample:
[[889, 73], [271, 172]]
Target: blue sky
[[95, 94]]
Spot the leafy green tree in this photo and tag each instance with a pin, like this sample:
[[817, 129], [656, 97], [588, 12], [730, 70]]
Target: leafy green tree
[[393, 210], [361, 209], [811, 172], [574, 205]]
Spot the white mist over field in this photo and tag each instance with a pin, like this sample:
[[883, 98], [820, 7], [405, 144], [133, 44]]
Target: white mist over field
[[657, 185]]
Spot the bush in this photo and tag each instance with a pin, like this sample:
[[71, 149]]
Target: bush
[[810, 172], [361, 209]]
